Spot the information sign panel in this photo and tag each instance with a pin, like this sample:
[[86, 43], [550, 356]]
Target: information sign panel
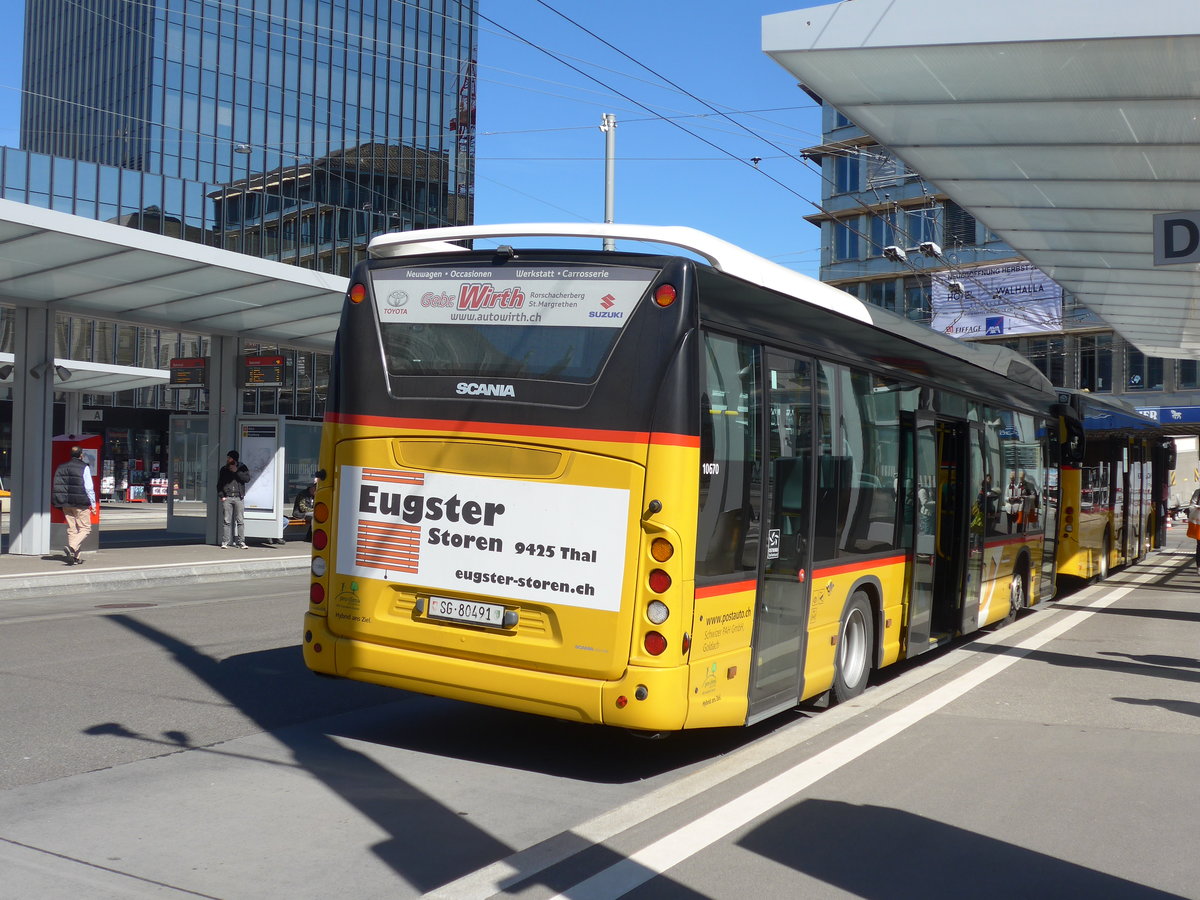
[[263, 371], [189, 372]]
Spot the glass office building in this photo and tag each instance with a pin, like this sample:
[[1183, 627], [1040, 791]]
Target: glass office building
[[292, 130], [289, 129]]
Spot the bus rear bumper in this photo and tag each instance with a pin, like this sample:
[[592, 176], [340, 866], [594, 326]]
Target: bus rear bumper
[[643, 699]]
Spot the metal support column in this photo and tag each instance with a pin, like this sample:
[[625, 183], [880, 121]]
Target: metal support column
[[224, 406], [33, 424]]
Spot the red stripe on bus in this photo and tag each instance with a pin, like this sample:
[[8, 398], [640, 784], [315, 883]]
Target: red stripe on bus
[[858, 566], [497, 428], [400, 476], [717, 590]]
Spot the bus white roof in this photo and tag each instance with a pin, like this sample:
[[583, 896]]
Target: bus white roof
[[720, 254], [727, 258]]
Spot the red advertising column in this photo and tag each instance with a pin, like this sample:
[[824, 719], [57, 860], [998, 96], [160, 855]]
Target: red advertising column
[[60, 452]]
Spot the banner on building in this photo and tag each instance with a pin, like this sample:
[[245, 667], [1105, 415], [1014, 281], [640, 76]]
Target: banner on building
[[994, 301]]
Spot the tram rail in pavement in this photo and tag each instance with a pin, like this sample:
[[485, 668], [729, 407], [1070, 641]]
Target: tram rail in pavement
[[136, 551]]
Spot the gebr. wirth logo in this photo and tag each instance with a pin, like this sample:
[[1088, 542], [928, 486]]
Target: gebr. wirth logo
[[478, 389]]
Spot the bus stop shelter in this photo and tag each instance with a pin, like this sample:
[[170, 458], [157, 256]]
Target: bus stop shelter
[[1071, 131], [51, 262]]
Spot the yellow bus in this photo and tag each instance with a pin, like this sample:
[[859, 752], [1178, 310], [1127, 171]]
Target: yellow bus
[[1114, 496], [658, 490]]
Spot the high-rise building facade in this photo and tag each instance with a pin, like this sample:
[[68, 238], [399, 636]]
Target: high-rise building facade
[[289, 129], [292, 130]]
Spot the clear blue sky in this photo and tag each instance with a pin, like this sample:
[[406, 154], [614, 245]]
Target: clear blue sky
[[539, 148]]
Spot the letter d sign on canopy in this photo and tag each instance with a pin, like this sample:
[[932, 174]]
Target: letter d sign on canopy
[[1176, 238]]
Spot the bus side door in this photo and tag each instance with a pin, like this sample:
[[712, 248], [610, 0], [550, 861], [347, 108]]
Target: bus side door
[[782, 614]]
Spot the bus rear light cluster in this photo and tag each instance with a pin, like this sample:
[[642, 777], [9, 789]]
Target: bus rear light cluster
[[1069, 519], [654, 643], [660, 581], [661, 549], [316, 592], [657, 612]]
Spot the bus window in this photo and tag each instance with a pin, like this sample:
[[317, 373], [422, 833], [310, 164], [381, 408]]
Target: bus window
[[730, 458]]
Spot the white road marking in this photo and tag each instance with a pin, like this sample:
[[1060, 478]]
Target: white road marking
[[624, 876]]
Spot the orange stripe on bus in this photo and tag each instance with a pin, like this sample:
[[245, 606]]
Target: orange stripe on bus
[[717, 590], [499, 429], [858, 566]]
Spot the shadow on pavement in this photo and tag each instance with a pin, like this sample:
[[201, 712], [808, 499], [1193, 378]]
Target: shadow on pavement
[[913, 856]]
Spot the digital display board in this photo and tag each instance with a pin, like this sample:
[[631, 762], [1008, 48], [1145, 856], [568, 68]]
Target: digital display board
[[189, 372], [263, 371]]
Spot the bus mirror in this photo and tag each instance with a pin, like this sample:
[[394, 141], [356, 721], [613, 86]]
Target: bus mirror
[[1074, 443], [1169, 447]]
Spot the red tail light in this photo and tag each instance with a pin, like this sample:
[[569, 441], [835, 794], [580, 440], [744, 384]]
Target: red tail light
[[660, 581], [654, 643], [316, 592], [320, 539]]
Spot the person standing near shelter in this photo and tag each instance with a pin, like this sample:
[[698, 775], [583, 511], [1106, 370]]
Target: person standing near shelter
[[1193, 530], [231, 488], [73, 493], [303, 507]]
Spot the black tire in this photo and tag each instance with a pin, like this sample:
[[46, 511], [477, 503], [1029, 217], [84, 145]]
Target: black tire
[[1018, 594], [855, 650]]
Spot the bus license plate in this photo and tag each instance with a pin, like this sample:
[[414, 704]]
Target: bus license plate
[[490, 614]]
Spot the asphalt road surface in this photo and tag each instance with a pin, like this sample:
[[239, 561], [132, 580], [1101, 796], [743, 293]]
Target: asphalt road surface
[[174, 745]]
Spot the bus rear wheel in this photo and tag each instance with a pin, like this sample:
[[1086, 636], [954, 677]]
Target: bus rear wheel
[[1105, 552], [856, 640], [1018, 594]]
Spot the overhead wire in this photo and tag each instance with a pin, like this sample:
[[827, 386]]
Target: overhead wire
[[864, 208]]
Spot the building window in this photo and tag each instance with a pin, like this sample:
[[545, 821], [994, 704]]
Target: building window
[[920, 225], [1095, 364], [960, 226], [916, 299], [882, 293], [1049, 355], [883, 231], [1142, 373], [1187, 376], [845, 173], [883, 169], [845, 240]]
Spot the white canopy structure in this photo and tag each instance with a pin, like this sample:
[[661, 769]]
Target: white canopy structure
[[1064, 128]]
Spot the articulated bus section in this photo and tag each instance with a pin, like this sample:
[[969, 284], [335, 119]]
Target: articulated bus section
[[1114, 498]]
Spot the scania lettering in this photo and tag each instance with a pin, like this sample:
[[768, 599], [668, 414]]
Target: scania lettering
[[487, 390]]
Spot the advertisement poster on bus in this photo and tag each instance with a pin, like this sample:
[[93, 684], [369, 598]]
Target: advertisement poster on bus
[[994, 301], [558, 295], [544, 543]]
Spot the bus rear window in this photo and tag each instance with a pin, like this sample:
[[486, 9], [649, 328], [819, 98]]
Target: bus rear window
[[539, 321]]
